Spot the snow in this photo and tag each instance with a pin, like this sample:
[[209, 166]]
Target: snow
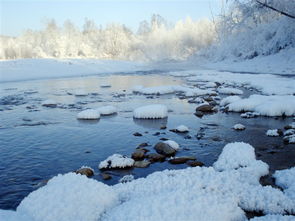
[[69, 197], [49, 102], [107, 110], [28, 69], [239, 127], [286, 180], [89, 114], [268, 84], [229, 90], [80, 92], [230, 99], [220, 192], [265, 105], [116, 161], [152, 111], [182, 128], [172, 144], [274, 218], [272, 133], [126, 178]]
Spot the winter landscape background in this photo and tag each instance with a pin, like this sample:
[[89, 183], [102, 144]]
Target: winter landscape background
[[185, 119]]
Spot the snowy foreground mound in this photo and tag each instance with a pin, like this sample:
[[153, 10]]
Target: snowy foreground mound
[[221, 192]]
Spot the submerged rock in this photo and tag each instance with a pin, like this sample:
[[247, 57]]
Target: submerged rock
[[165, 149], [142, 164], [106, 176], [181, 160], [195, 163], [155, 157]]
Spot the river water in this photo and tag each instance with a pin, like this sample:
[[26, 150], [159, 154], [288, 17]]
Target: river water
[[37, 142]]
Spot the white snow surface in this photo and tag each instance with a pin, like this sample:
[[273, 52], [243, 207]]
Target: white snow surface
[[265, 105], [239, 127], [107, 110], [230, 99], [209, 193], [49, 102], [152, 111], [268, 84], [116, 161], [28, 69], [274, 218], [182, 128], [229, 90], [272, 133], [172, 144], [89, 114], [286, 180]]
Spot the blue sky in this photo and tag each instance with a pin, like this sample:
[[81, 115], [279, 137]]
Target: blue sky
[[18, 15]]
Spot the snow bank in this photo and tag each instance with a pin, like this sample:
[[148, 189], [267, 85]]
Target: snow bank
[[107, 110], [228, 100], [272, 133], [153, 111], [266, 83], [229, 90], [286, 180], [274, 218], [69, 197], [220, 193], [265, 105], [172, 144], [89, 114], [116, 161]]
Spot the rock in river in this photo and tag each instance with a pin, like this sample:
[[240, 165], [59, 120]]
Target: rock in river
[[155, 157], [85, 171], [165, 149], [138, 154], [142, 164]]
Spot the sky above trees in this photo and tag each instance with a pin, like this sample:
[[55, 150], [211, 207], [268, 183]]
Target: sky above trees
[[18, 15]]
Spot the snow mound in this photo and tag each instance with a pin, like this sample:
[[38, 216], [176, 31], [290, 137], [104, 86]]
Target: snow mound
[[172, 144], [116, 161], [153, 111], [228, 100], [107, 110], [159, 90], [229, 90], [286, 180], [210, 84], [272, 133], [239, 127], [182, 129], [89, 114], [69, 197], [80, 93], [265, 105]]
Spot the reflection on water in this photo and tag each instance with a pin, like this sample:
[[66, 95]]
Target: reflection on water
[[151, 123]]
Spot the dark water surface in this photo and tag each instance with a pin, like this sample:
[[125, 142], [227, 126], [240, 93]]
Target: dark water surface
[[37, 143]]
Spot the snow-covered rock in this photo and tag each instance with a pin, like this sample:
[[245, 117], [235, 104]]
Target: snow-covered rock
[[107, 110], [182, 129], [116, 161], [272, 133], [49, 103], [89, 114], [265, 105], [153, 111], [239, 127], [80, 93], [172, 144]]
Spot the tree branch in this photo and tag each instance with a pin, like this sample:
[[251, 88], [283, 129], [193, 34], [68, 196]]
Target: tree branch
[[270, 7]]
